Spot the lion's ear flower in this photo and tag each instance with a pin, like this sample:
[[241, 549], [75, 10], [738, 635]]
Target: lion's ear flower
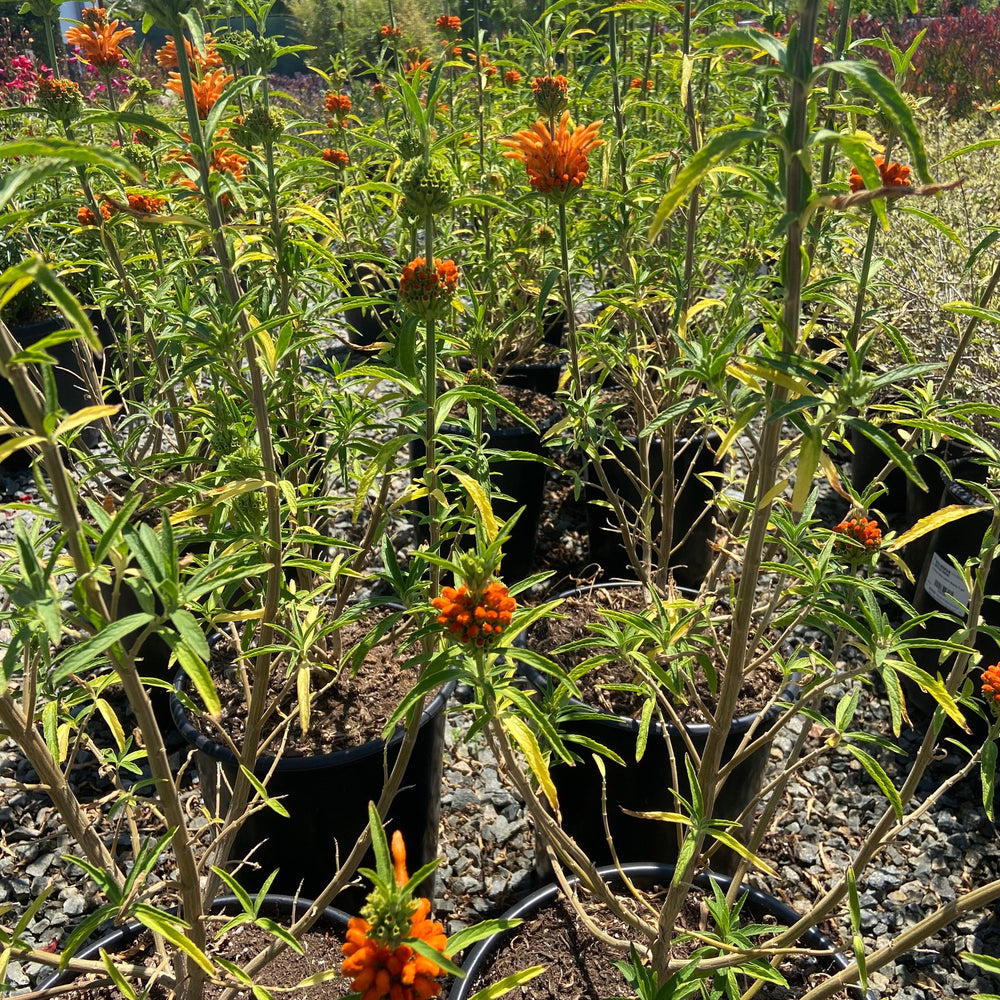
[[858, 531], [475, 618], [556, 162], [991, 687], [378, 958]]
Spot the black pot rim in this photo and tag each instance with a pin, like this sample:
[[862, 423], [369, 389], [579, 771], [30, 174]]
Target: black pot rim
[[740, 726], [812, 938], [289, 765], [114, 938], [949, 480]]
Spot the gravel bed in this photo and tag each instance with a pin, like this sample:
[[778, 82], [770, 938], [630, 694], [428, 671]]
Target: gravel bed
[[487, 844]]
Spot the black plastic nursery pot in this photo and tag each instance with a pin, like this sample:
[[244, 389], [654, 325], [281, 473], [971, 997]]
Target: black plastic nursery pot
[[327, 798], [693, 516], [521, 479], [645, 785], [758, 907], [72, 390], [368, 324], [277, 907], [940, 586]]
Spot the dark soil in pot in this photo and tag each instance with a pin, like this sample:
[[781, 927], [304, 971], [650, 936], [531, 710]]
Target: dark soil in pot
[[321, 947], [326, 779], [644, 785], [578, 967], [521, 478]]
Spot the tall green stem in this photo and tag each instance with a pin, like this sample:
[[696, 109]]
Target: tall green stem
[[568, 303]]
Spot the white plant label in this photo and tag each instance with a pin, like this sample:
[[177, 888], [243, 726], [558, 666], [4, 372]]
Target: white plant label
[[945, 584]]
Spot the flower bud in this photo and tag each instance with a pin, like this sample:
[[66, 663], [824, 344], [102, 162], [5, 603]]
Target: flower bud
[[427, 185]]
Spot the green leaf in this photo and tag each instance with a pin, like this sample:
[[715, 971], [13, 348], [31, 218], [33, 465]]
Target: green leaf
[[988, 766], [509, 983], [172, 928], [812, 447], [878, 775], [748, 38], [894, 107], [126, 989], [983, 961], [702, 163], [461, 940], [262, 792], [421, 947], [196, 670], [380, 846], [85, 654], [191, 633], [743, 851]]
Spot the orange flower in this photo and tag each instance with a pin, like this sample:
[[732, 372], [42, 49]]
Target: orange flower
[[893, 175], [338, 157], [475, 618], [87, 218], [512, 78], [415, 66], [860, 531], [382, 968], [388, 31], [224, 159], [550, 94], [98, 38], [485, 66], [166, 55], [556, 164], [639, 84], [144, 203], [446, 23], [426, 290], [207, 91], [339, 104], [991, 687]]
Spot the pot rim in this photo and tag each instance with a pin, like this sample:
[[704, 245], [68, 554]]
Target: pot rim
[[813, 938], [290, 765], [740, 726], [118, 935]]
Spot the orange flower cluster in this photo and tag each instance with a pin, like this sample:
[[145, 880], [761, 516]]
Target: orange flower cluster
[[550, 94], [991, 686], [475, 618], [386, 970], [145, 203], [512, 78], [425, 290], [224, 159], [446, 23], [98, 39], [485, 66], [207, 90], [338, 157], [893, 175], [388, 31], [640, 84], [166, 55], [861, 530], [338, 104], [556, 163], [87, 218], [415, 66]]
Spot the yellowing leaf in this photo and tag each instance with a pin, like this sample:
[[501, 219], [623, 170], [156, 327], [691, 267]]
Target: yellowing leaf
[[482, 502], [525, 739], [945, 515], [85, 416]]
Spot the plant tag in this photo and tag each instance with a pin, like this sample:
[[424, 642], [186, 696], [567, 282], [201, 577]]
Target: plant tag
[[945, 584]]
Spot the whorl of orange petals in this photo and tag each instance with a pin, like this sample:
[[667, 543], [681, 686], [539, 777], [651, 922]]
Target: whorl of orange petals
[[98, 39], [415, 66], [224, 159], [893, 175], [446, 23], [475, 618], [87, 218], [640, 84], [145, 203], [389, 31], [207, 90], [378, 972], [863, 531], [991, 687], [338, 157], [427, 289], [512, 78], [339, 104], [166, 55], [557, 164]]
